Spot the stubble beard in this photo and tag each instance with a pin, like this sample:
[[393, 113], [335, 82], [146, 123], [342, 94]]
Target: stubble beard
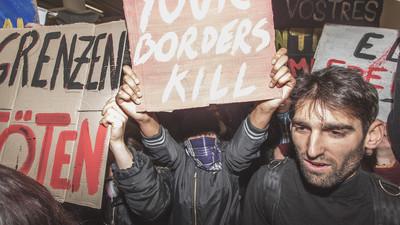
[[336, 175]]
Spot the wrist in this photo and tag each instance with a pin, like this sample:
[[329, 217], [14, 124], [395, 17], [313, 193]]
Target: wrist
[[116, 145], [262, 110]]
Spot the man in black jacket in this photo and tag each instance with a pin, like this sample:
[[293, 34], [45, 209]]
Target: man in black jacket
[[203, 186], [334, 120]]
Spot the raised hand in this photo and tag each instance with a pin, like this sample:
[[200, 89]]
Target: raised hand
[[281, 78], [114, 116], [130, 95]]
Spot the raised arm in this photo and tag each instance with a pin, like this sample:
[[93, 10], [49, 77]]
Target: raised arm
[[161, 146], [146, 192], [281, 78], [129, 95], [244, 146]]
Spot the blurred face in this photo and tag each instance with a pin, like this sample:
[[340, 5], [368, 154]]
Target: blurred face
[[329, 145]]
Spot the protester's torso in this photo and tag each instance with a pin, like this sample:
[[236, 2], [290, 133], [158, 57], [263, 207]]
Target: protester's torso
[[350, 204], [211, 197]]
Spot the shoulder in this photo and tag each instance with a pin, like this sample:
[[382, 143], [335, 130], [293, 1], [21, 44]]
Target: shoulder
[[384, 187], [271, 174], [386, 200]]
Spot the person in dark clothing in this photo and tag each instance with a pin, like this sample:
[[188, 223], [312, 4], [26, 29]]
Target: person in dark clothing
[[203, 184], [333, 120], [393, 122]]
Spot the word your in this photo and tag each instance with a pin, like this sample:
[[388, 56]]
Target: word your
[[198, 12]]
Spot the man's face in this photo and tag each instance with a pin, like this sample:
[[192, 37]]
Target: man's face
[[329, 145]]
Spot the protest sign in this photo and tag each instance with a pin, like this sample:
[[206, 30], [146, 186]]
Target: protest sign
[[372, 51], [54, 82], [315, 13], [190, 54], [17, 13], [301, 44]]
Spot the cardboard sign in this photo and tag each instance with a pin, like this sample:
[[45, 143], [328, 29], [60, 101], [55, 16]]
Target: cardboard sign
[[54, 82], [301, 44], [372, 51], [190, 54], [17, 13], [315, 13]]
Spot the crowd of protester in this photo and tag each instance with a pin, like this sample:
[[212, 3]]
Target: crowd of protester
[[318, 155]]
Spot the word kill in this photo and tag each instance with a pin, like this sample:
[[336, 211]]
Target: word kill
[[215, 93]]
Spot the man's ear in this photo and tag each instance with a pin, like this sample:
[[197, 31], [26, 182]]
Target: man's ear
[[374, 135]]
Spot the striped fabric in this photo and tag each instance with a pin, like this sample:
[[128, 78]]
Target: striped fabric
[[252, 132], [155, 141]]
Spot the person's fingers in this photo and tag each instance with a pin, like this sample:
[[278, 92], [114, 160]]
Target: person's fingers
[[127, 89], [284, 79], [106, 108], [278, 75], [129, 72], [110, 102], [136, 99], [122, 95], [107, 120], [129, 81], [282, 61], [114, 117], [119, 111], [278, 54]]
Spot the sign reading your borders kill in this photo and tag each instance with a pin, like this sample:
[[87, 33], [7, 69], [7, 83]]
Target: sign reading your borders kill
[[372, 51], [315, 13], [54, 82], [195, 53]]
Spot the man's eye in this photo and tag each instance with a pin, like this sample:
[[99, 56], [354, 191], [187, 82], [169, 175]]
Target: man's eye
[[337, 133], [300, 129]]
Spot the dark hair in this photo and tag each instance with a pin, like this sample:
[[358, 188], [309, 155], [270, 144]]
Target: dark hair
[[338, 88], [198, 121], [23, 201]]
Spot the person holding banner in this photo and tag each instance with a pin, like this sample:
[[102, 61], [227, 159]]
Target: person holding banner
[[203, 186], [333, 121]]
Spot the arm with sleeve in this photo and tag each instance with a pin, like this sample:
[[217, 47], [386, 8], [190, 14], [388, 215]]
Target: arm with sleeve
[[163, 148], [147, 192], [244, 146]]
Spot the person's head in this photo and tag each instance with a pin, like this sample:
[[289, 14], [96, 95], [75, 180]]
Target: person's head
[[333, 120], [198, 121], [24, 201]]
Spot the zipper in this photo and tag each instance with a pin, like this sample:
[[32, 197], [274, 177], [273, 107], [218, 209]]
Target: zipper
[[195, 198]]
